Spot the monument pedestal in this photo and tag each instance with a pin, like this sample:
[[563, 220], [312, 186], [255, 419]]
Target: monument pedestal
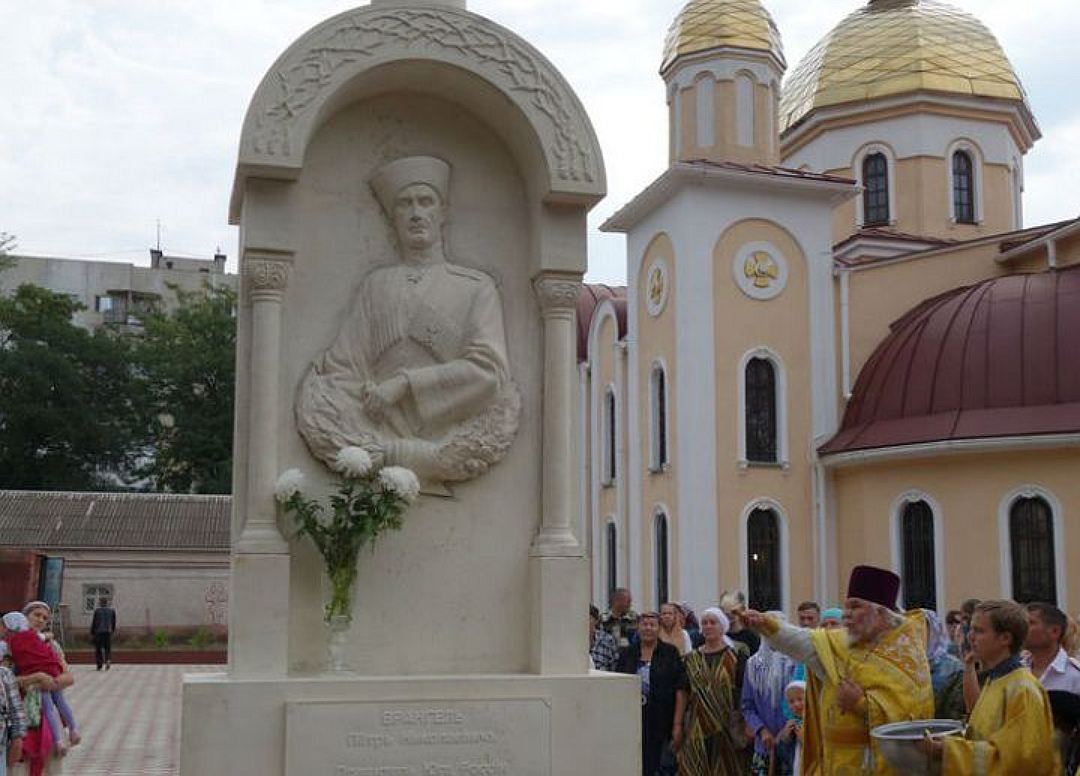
[[519, 725]]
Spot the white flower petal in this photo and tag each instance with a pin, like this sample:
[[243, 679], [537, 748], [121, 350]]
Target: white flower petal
[[353, 462], [288, 484], [402, 481]]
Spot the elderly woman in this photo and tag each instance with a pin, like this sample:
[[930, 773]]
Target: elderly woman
[[663, 692], [714, 740], [671, 628]]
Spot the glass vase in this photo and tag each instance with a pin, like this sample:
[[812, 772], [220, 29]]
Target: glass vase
[[337, 642]]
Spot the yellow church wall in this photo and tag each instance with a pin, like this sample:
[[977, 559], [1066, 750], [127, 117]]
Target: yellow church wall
[[1068, 251], [656, 341], [969, 489], [922, 203], [725, 146], [743, 324], [880, 295]]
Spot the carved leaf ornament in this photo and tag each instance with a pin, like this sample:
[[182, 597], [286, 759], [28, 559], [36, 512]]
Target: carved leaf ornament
[[362, 35]]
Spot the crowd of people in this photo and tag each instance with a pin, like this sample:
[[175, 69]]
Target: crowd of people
[[37, 726], [731, 691]]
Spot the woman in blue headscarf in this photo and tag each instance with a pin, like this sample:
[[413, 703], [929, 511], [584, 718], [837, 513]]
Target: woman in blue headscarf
[[946, 670]]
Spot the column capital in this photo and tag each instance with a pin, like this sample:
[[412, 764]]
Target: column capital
[[558, 292], [266, 276]]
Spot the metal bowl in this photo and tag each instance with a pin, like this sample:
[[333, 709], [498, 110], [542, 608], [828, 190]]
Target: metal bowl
[[898, 743]]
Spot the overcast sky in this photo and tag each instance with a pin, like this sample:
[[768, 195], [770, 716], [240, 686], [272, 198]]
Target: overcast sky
[[123, 112]]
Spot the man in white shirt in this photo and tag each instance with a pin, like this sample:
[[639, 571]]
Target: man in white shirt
[[1049, 662]]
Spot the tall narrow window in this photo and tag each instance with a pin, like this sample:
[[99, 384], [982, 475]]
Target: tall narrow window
[[761, 425], [660, 542], [611, 540], [963, 176], [609, 451], [917, 555], [763, 560], [659, 453], [1031, 539], [875, 172]]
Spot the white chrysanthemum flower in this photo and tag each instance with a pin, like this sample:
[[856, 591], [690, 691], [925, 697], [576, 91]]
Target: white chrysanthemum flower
[[288, 484], [353, 462], [402, 481]]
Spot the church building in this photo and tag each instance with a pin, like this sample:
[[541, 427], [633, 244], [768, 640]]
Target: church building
[[839, 343]]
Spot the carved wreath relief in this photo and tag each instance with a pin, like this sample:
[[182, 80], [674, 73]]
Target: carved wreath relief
[[362, 36], [418, 375]]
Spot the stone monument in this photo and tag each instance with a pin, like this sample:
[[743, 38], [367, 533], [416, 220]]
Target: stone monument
[[412, 191]]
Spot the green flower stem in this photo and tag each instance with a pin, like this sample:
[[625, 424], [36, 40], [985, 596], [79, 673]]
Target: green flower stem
[[359, 512], [341, 583]]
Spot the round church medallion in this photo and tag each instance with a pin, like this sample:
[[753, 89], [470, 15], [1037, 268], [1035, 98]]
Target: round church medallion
[[656, 287], [760, 270]]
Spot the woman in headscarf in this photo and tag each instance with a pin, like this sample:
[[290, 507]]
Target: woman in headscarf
[[768, 673], [715, 741], [946, 670], [39, 757]]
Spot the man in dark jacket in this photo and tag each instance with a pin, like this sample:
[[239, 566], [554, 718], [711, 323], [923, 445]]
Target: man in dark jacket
[[663, 691], [102, 628]]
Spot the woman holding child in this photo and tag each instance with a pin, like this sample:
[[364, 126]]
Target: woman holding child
[[41, 674]]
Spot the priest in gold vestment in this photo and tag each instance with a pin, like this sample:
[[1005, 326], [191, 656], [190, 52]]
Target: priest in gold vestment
[[1011, 728], [872, 672]]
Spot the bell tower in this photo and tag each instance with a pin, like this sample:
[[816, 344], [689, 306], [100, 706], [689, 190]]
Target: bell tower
[[723, 63]]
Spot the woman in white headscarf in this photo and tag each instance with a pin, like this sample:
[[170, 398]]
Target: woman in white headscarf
[[714, 743], [39, 757], [768, 672]]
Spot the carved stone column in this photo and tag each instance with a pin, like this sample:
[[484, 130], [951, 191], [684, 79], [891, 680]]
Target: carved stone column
[[266, 280], [560, 573], [558, 294], [259, 605]]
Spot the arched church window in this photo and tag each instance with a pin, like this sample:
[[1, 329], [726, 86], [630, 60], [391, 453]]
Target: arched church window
[[1031, 539], [761, 416], [609, 441], [875, 178], [658, 456], [611, 542], [763, 560], [660, 548], [917, 556], [963, 169]]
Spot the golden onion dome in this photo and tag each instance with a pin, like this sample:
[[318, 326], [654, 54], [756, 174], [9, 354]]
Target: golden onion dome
[[703, 25], [894, 47]]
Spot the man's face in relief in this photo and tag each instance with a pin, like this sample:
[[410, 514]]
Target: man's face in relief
[[418, 216]]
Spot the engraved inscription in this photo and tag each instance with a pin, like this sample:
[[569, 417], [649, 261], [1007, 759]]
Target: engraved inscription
[[461, 738]]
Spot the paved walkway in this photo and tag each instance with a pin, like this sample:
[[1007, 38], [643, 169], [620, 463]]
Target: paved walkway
[[129, 718]]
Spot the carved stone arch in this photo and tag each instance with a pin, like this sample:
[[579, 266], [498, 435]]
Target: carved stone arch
[[476, 62]]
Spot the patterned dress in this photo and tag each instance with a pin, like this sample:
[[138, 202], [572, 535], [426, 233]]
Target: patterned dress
[[714, 740]]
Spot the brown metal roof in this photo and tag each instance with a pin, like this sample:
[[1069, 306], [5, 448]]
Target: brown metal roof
[[52, 520], [772, 169], [996, 359], [592, 294]]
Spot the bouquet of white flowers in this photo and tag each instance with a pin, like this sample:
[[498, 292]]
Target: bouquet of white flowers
[[368, 502]]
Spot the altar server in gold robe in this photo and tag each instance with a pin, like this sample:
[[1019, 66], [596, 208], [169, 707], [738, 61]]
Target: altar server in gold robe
[[872, 672], [1011, 729]]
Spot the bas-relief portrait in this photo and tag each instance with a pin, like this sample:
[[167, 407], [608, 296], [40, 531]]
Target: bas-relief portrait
[[418, 374]]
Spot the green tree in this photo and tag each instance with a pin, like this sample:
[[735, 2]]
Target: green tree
[[186, 362], [66, 407]]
